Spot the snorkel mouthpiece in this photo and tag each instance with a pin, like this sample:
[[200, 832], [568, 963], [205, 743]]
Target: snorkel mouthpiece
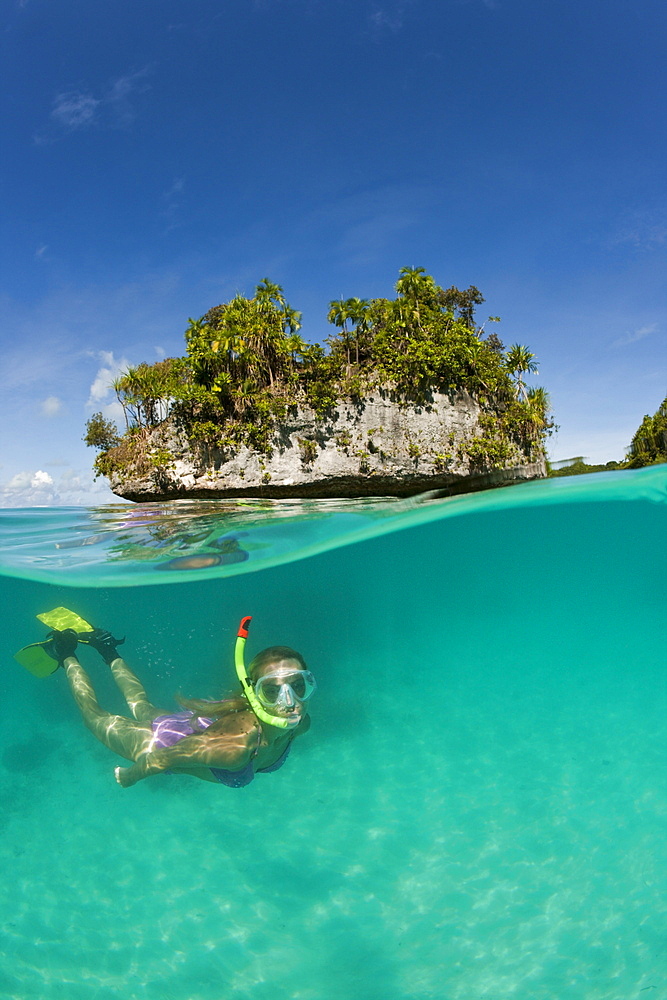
[[246, 683]]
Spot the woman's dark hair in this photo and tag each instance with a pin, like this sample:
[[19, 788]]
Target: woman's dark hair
[[217, 710], [273, 654]]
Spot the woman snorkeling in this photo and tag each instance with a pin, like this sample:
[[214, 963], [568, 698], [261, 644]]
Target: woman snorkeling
[[227, 741]]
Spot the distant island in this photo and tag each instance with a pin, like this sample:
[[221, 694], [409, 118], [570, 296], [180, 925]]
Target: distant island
[[409, 394], [648, 447]]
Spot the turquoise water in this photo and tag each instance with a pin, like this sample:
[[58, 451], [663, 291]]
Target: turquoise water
[[479, 809]]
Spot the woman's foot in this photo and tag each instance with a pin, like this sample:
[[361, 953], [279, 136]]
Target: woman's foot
[[105, 644], [60, 645]]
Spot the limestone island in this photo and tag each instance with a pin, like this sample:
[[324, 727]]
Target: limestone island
[[409, 395]]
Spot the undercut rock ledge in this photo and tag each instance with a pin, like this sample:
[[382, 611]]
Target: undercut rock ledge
[[376, 447]]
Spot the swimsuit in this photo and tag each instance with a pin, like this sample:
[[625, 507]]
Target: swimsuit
[[170, 729]]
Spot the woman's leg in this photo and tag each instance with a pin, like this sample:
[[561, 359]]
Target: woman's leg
[[126, 737], [133, 692]]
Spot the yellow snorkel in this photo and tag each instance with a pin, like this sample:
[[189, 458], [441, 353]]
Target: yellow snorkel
[[246, 683]]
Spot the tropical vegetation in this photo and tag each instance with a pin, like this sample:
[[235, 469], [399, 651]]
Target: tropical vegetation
[[579, 467], [246, 365], [649, 443], [648, 447]]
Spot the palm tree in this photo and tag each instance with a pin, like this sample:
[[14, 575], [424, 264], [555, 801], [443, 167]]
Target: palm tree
[[204, 340], [539, 404], [272, 318], [417, 287], [357, 311], [338, 315], [412, 281], [291, 319], [269, 293], [118, 386], [222, 386], [519, 360], [295, 345], [244, 394], [128, 389], [197, 333]]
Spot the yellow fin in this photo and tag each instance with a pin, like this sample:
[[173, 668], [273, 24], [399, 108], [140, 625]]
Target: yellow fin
[[61, 618], [35, 659]]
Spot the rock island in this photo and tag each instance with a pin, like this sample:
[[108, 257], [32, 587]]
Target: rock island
[[409, 395]]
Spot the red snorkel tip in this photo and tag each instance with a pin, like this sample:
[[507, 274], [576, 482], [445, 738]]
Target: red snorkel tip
[[243, 627]]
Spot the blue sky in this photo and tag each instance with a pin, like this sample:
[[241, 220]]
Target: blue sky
[[161, 155]]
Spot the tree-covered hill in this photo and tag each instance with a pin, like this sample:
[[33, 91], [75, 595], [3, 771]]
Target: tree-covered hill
[[246, 364], [649, 443]]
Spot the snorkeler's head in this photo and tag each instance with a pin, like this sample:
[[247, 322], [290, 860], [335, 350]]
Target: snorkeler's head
[[269, 658], [281, 681]]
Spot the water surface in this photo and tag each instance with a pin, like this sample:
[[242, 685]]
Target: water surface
[[479, 810]]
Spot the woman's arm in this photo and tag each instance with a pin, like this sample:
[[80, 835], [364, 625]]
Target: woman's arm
[[201, 750]]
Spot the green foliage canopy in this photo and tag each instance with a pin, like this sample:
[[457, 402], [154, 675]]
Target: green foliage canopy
[[246, 364], [101, 433], [649, 444]]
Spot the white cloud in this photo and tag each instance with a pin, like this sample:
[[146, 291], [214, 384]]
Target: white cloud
[[51, 406], [634, 335], [644, 230], [172, 201], [102, 386], [74, 110], [39, 489], [389, 15], [36, 480], [118, 98], [114, 411], [20, 481], [176, 188], [122, 87], [41, 479]]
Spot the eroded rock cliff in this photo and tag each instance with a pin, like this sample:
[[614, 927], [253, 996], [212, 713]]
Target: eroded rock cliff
[[380, 446]]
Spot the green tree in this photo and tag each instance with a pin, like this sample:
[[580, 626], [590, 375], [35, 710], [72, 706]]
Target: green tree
[[520, 361], [538, 402], [269, 293], [420, 292], [357, 312], [296, 346], [200, 337], [649, 443], [249, 339], [291, 320], [101, 433], [461, 303], [147, 391], [338, 315]]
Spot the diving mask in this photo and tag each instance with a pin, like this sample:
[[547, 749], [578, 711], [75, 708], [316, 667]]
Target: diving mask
[[284, 689]]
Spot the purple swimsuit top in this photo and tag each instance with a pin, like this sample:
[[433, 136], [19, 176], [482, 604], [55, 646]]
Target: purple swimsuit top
[[170, 729]]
